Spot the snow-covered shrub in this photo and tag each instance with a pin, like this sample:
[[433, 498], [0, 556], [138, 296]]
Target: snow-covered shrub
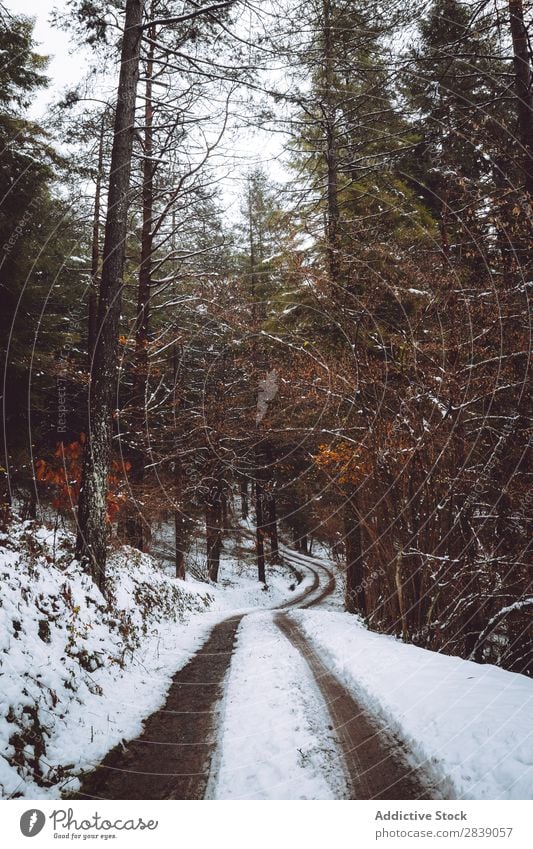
[[57, 631]]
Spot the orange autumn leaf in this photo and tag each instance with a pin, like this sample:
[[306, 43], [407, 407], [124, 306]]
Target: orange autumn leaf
[[62, 475]]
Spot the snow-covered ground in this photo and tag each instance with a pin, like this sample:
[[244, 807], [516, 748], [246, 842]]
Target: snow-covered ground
[[275, 739], [78, 675], [237, 589], [471, 724]]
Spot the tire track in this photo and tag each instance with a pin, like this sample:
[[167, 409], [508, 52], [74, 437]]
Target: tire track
[[375, 762], [172, 758]]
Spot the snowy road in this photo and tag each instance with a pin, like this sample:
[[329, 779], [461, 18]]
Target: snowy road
[[276, 740], [256, 715], [290, 729], [241, 691]]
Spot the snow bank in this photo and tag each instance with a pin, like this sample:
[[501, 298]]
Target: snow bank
[[471, 724], [79, 673]]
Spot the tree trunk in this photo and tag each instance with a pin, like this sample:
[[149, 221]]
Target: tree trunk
[[355, 601], [5, 502], [257, 485], [272, 527], [333, 214], [136, 525], [95, 247], [180, 521], [400, 593], [270, 507], [213, 534], [92, 509], [225, 507], [524, 105], [244, 498], [260, 533], [179, 542]]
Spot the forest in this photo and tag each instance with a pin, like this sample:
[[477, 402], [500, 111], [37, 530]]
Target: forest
[[328, 337]]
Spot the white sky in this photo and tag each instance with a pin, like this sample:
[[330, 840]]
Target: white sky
[[66, 69]]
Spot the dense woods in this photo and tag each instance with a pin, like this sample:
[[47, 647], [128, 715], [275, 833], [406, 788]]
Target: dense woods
[[340, 354]]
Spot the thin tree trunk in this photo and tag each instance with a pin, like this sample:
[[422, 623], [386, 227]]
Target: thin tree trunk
[[272, 527], [95, 247], [244, 498], [180, 522], [92, 509], [5, 502], [257, 485], [400, 593], [524, 104], [136, 524], [179, 542], [213, 535], [270, 507], [333, 214], [355, 601], [260, 532]]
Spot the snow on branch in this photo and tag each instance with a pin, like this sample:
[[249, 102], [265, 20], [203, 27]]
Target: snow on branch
[[521, 604]]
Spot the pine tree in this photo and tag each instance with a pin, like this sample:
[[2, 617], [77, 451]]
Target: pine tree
[[38, 236], [92, 530]]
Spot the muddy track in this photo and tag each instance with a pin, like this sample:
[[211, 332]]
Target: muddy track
[[172, 757], [375, 761]]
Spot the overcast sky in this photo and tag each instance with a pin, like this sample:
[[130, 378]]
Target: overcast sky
[[66, 69], [63, 69]]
